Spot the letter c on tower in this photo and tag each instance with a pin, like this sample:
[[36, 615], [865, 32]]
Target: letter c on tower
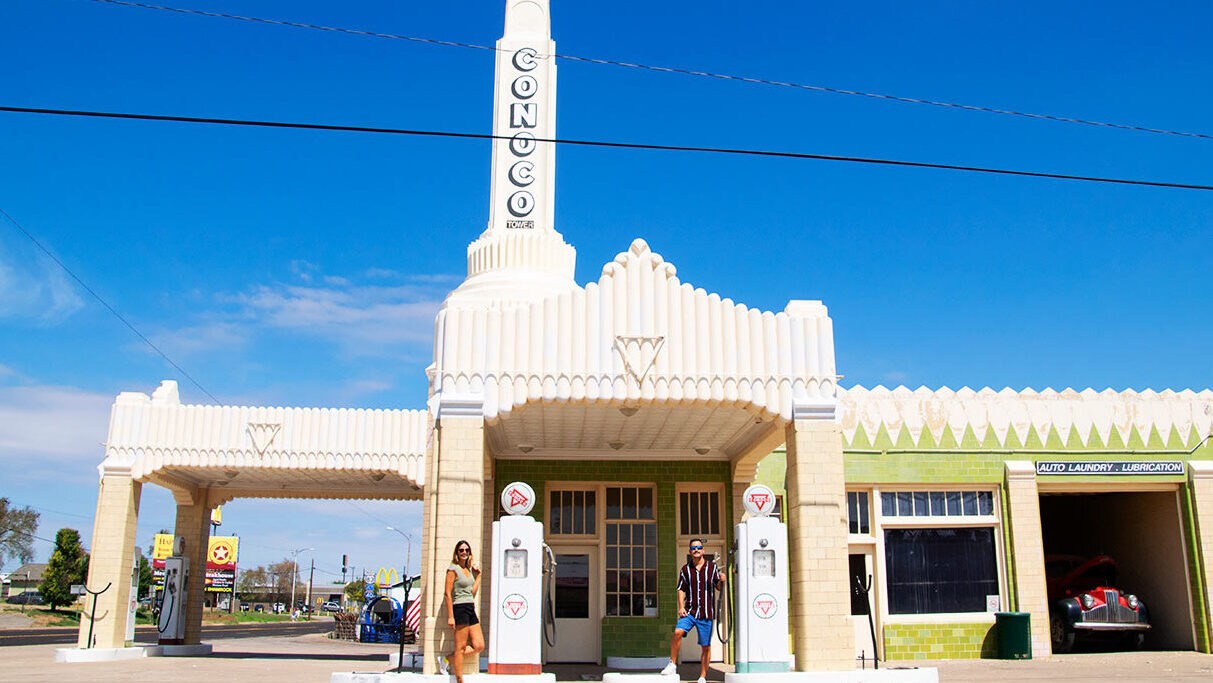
[[524, 59]]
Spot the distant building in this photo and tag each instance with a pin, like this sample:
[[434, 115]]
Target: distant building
[[23, 579]]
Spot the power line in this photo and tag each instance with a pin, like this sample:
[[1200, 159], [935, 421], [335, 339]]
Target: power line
[[675, 70], [602, 143], [26, 533], [108, 307]]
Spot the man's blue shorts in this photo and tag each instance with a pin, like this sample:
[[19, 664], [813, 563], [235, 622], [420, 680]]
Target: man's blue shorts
[[704, 626]]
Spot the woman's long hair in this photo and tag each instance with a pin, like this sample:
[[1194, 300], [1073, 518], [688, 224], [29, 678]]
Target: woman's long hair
[[455, 554]]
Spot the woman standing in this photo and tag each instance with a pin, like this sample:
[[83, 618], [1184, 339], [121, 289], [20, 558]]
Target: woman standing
[[462, 584]]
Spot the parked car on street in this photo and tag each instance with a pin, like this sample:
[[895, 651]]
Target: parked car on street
[[27, 598], [331, 606], [1084, 602]]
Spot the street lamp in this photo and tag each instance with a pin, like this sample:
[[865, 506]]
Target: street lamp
[[295, 572], [408, 558]]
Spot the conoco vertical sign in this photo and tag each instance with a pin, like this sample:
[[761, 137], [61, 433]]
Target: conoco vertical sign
[[523, 115], [523, 119]]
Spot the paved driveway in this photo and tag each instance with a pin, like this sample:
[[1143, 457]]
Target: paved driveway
[[315, 658]]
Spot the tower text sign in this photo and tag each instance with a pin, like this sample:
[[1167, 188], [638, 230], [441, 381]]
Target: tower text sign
[[1087, 467]]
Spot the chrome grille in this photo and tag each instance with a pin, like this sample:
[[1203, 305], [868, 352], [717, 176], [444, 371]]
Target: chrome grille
[[1118, 613]]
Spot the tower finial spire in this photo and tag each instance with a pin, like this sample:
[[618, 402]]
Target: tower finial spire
[[520, 246]]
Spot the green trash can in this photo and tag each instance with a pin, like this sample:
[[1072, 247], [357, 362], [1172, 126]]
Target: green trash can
[[1014, 635]]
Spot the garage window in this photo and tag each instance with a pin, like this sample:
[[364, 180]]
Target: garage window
[[940, 570]]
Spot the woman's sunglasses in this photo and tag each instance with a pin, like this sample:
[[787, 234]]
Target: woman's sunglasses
[[463, 550]]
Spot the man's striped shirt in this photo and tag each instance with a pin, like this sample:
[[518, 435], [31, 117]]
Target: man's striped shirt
[[699, 585]]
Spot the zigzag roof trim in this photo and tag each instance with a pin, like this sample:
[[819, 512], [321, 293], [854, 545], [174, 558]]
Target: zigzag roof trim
[[1008, 411]]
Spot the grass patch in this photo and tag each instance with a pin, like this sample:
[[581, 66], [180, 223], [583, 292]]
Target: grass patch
[[243, 618]]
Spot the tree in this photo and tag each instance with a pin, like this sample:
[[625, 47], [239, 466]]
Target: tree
[[355, 590], [252, 582], [17, 528], [282, 573], [145, 576], [68, 565]]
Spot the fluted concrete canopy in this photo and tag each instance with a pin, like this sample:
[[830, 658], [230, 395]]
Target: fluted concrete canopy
[[266, 452]]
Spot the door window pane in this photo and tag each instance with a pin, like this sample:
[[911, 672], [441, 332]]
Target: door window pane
[[572, 584]]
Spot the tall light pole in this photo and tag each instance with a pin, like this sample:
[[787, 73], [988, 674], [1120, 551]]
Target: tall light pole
[[294, 571], [408, 558]]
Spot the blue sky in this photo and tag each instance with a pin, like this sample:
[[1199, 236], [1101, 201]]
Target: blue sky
[[304, 268]]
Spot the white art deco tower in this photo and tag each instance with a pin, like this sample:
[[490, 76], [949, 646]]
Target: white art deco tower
[[520, 255]]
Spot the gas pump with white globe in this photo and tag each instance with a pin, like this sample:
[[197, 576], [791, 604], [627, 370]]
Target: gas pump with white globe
[[521, 615], [761, 587]]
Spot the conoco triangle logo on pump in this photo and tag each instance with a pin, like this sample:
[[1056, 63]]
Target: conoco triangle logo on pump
[[765, 605], [518, 498], [758, 500], [514, 606]]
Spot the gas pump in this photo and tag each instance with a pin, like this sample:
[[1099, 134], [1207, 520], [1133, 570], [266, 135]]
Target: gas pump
[[519, 606], [171, 623], [761, 586]]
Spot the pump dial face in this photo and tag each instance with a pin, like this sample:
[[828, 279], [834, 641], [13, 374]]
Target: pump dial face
[[764, 563], [515, 564]]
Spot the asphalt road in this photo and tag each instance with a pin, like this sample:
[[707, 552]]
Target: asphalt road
[[148, 634]]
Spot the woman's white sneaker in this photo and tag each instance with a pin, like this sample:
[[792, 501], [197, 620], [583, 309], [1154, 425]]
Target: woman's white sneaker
[[670, 668]]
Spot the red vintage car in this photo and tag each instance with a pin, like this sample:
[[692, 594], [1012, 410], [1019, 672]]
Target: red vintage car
[[1084, 602]]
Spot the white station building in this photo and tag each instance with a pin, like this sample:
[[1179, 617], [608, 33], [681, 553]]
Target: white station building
[[638, 407]]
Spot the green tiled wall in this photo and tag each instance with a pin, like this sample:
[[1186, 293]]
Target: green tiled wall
[[939, 641], [631, 636]]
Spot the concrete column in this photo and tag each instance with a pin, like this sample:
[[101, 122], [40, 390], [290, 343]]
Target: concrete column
[[110, 558], [454, 511], [823, 638], [1027, 550], [194, 523], [1201, 482]]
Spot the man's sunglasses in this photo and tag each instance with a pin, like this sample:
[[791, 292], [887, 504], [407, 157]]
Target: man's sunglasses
[[696, 547]]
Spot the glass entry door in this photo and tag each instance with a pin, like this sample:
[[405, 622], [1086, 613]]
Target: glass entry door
[[576, 603]]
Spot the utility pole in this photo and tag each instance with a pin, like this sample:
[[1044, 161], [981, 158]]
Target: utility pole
[[295, 573], [310, 575]]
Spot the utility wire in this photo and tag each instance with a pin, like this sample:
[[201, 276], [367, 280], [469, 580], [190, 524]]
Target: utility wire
[[600, 143], [675, 70], [26, 533], [108, 307]]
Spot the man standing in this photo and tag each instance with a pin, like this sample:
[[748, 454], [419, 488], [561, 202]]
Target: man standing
[[698, 581]]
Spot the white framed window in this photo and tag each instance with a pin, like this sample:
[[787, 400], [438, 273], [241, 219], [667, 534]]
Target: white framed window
[[573, 511], [631, 551], [700, 511], [940, 552]]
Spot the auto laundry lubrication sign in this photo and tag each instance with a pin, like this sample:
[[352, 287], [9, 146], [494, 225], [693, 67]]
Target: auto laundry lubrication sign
[[221, 556], [1087, 467]]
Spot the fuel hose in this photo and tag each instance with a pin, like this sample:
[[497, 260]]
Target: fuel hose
[[549, 612]]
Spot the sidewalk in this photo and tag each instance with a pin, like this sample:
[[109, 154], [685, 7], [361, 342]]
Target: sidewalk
[[315, 658]]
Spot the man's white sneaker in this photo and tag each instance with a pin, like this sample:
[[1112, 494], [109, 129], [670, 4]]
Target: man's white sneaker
[[702, 680], [444, 667], [670, 668]]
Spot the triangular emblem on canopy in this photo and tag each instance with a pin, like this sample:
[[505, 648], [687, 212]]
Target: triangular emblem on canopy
[[262, 434], [639, 353]]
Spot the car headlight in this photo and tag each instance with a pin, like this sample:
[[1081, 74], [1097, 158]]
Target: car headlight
[[1087, 601], [1133, 601]]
